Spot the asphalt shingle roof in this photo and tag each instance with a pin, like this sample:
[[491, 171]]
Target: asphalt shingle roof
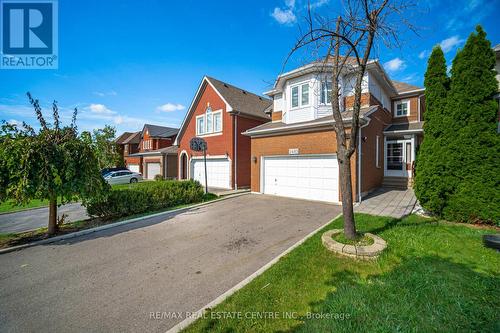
[[417, 126], [133, 138], [280, 126], [161, 131], [242, 100], [403, 87]]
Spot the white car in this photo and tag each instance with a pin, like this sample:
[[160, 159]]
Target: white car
[[122, 177]]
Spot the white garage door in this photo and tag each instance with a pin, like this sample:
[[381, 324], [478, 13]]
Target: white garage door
[[302, 177], [218, 172], [153, 170], [133, 167]]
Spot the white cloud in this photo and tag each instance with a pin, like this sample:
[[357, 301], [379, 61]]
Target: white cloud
[[423, 54], [103, 94], [170, 107], [13, 122], [100, 109], [319, 3], [285, 15], [394, 65], [449, 44]]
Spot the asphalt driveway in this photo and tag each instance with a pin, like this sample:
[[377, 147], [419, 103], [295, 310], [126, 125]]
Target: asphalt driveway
[[35, 218], [111, 281]]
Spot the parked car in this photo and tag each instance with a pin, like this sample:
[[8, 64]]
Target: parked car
[[105, 171], [122, 177]]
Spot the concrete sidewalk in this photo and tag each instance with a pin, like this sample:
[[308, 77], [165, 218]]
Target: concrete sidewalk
[[388, 202]]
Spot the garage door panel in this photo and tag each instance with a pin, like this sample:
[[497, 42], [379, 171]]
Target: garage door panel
[[153, 170], [303, 177], [218, 172], [133, 167]]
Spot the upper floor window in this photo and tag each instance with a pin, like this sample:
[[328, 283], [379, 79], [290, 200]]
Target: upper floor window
[[146, 144], [300, 95], [210, 122], [326, 92], [402, 108]]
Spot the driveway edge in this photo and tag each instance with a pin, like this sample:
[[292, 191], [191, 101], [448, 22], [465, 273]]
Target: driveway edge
[[112, 225], [199, 314]]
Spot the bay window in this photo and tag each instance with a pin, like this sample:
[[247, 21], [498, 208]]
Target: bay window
[[209, 123]]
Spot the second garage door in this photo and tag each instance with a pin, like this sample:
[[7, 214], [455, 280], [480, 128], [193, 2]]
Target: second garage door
[[153, 170], [302, 177], [218, 172], [133, 167]]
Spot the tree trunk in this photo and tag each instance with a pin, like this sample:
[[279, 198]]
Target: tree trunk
[[52, 229], [346, 190]]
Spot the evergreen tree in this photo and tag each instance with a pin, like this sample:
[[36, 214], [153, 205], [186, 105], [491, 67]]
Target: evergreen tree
[[472, 144], [429, 188]]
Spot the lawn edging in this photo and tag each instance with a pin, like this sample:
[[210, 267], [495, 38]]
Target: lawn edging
[[112, 225], [199, 314]]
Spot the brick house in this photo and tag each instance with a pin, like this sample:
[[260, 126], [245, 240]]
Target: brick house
[[151, 151], [295, 154], [219, 113]]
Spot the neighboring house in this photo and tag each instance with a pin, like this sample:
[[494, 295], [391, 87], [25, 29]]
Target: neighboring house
[[151, 151], [295, 154], [219, 113]]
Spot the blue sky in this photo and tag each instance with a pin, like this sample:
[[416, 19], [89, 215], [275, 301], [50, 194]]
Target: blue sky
[[125, 63]]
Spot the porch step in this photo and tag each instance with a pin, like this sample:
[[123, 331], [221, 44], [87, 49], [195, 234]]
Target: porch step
[[399, 183]]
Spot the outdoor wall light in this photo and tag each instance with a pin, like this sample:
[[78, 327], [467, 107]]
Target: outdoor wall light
[[254, 159]]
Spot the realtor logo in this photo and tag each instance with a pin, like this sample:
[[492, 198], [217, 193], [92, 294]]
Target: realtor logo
[[29, 34]]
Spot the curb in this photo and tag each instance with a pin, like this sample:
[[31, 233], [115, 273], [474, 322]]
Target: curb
[[112, 225], [199, 314]]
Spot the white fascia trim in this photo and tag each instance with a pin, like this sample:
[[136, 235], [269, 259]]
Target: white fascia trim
[[197, 157], [411, 91], [404, 131], [181, 129], [284, 129]]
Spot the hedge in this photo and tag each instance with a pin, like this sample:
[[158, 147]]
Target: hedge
[[145, 197]]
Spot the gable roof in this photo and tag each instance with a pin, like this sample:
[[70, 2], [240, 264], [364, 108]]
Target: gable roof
[[241, 100], [133, 138], [236, 99], [403, 87], [160, 131], [119, 140]]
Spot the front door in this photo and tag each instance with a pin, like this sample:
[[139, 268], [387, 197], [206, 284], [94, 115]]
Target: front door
[[398, 158]]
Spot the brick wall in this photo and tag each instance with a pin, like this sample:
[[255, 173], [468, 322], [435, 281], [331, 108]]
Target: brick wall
[[244, 150], [322, 142], [371, 175]]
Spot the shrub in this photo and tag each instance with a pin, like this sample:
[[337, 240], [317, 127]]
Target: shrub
[[159, 177], [146, 197]]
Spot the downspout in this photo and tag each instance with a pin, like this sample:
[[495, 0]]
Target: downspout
[[359, 159], [236, 151]]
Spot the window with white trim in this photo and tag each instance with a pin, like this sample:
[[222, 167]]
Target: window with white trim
[[377, 151], [146, 144], [402, 108], [300, 95], [209, 123], [326, 92]]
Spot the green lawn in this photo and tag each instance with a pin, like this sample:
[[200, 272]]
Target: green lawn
[[9, 207], [433, 277]]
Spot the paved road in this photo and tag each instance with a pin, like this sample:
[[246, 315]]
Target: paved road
[[112, 280], [36, 218]]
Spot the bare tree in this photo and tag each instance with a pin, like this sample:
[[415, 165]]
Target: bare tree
[[344, 45]]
